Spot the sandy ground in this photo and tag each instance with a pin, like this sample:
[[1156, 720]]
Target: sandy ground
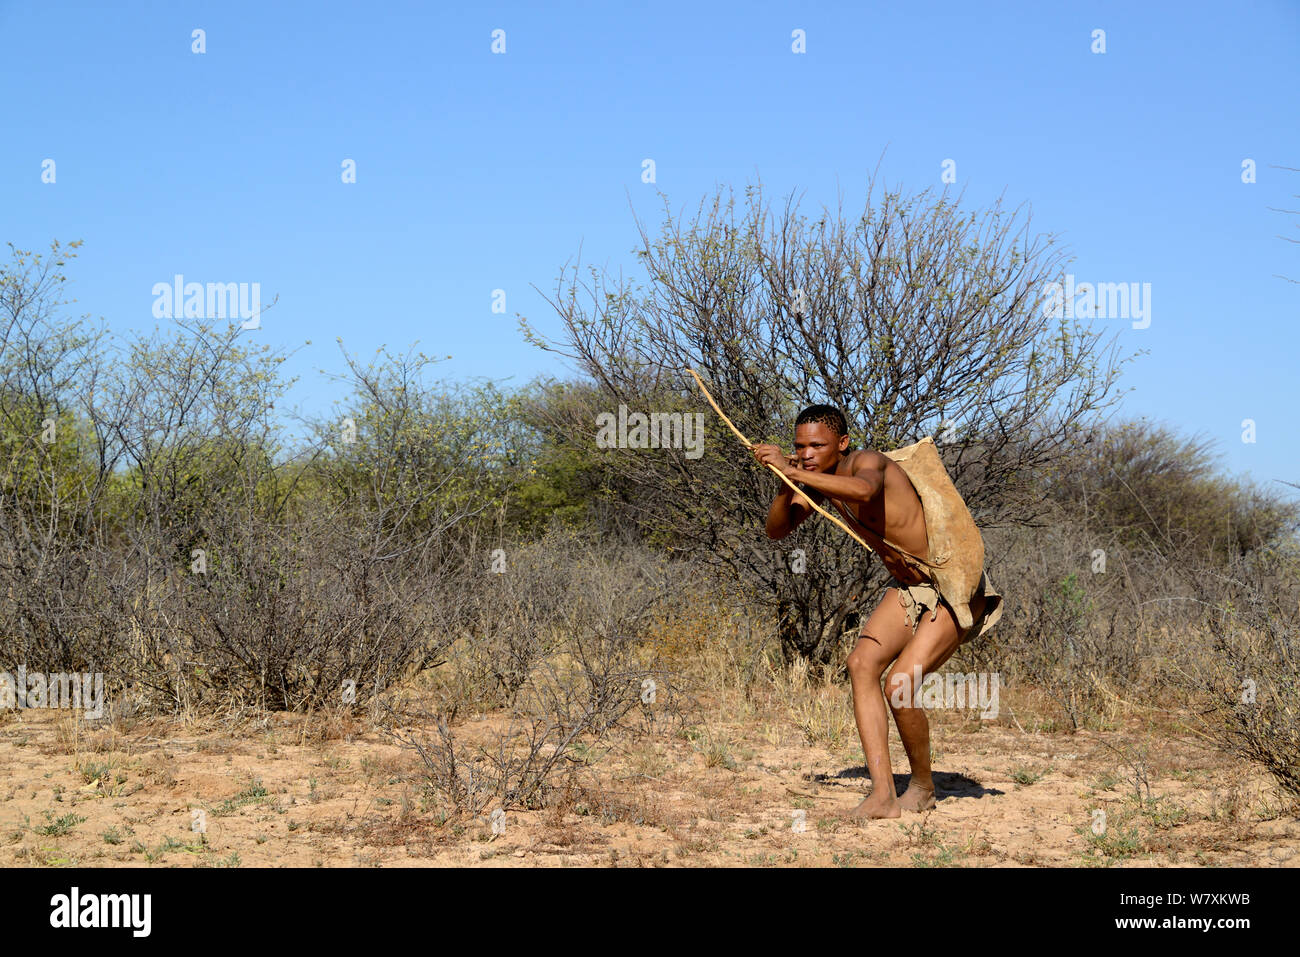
[[287, 790]]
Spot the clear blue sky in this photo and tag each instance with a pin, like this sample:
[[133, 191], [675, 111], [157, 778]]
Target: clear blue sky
[[478, 171]]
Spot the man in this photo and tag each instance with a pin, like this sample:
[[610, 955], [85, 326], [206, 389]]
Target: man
[[879, 501]]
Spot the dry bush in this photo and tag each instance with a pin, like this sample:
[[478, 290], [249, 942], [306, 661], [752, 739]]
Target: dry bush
[[244, 574], [513, 614], [1171, 630], [715, 641], [1065, 625], [1246, 676], [588, 674], [284, 615], [158, 526], [820, 708], [1144, 486]]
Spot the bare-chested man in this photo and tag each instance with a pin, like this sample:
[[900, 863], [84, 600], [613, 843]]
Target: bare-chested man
[[878, 501]]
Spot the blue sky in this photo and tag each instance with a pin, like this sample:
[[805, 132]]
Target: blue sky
[[478, 171]]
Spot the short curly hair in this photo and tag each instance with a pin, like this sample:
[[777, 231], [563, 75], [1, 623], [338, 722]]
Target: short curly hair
[[828, 415]]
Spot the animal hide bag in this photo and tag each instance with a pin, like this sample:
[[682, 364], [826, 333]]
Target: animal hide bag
[[956, 560]]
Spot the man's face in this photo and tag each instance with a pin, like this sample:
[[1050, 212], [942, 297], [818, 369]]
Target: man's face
[[817, 447]]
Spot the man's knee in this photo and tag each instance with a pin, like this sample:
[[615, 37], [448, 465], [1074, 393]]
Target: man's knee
[[902, 685], [866, 662]]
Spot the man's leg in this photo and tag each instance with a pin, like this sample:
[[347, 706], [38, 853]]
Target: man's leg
[[934, 643], [883, 636]]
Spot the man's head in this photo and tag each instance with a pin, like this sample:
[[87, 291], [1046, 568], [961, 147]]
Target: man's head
[[820, 437]]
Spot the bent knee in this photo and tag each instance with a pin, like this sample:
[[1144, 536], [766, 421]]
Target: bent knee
[[901, 687], [866, 663]]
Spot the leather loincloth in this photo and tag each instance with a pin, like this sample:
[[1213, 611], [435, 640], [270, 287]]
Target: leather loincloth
[[916, 599]]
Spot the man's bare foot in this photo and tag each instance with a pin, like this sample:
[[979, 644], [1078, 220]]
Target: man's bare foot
[[917, 797], [874, 806]]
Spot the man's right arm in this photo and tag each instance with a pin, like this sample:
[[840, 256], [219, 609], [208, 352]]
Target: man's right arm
[[787, 512], [789, 509]]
